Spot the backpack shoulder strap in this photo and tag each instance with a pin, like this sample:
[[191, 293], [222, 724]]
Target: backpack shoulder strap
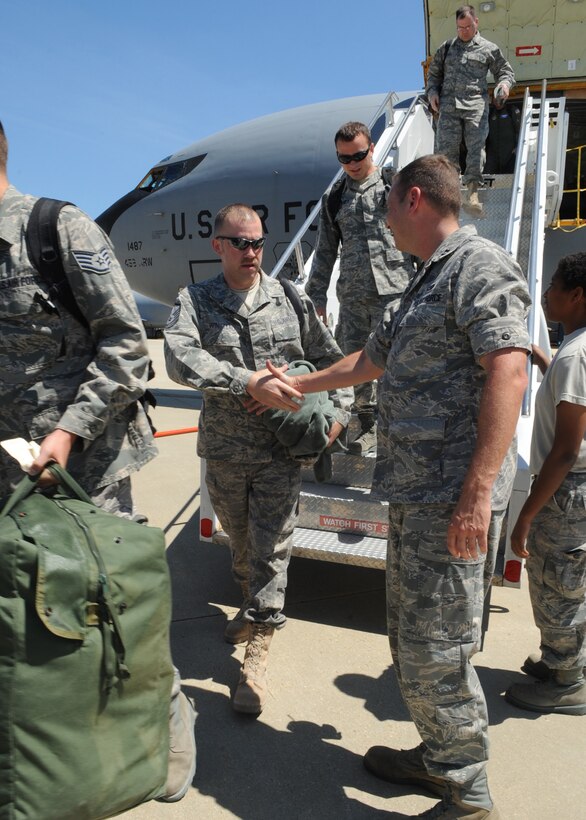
[[447, 46], [387, 174], [42, 243], [334, 199], [293, 296]]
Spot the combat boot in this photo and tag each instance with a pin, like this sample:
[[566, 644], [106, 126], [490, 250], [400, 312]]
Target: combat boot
[[564, 693], [238, 630], [470, 801], [472, 203], [365, 442], [534, 666], [403, 766], [251, 692]]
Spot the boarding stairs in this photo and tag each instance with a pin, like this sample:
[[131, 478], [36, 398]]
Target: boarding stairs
[[340, 520]]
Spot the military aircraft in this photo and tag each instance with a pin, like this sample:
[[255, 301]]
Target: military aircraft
[[281, 163]]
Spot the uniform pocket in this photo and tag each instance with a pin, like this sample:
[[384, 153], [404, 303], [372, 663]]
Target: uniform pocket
[[450, 595]]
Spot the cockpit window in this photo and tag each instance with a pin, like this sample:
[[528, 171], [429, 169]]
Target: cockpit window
[[162, 175]]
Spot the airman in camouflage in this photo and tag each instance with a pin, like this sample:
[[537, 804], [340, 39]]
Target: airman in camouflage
[[452, 356], [372, 271], [457, 90], [55, 373], [219, 334], [74, 384], [550, 531]]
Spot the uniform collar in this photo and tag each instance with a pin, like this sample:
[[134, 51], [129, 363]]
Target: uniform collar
[[268, 288], [451, 243], [363, 184], [10, 205]]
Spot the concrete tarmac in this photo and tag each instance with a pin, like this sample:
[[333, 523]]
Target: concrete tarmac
[[333, 692]]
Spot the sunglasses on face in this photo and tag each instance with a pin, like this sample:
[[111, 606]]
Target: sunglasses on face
[[242, 244], [346, 159]]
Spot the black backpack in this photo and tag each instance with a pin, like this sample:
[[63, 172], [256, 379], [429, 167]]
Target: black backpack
[[42, 244], [44, 252]]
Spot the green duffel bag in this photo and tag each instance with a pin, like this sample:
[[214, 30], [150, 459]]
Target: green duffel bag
[[85, 665]]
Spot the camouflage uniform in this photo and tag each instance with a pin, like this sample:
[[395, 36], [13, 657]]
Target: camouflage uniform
[[557, 538], [54, 372], [213, 343], [372, 271], [468, 300], [459, 78]]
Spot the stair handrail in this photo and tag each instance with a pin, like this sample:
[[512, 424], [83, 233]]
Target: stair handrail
[[535, 263], [513, 229]]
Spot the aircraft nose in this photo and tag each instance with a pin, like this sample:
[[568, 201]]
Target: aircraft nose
[[107, 219]]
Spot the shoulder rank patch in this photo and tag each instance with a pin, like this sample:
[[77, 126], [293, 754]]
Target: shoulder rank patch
[[94, 261]]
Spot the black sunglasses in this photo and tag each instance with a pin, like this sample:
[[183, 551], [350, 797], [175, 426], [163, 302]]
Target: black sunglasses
[[346, 159], [242, 244]]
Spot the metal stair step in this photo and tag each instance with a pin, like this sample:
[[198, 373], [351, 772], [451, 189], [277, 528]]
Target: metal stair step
[[341, 548], [334, 508]]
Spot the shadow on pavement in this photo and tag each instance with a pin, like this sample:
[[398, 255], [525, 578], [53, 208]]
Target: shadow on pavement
[[260, 773]]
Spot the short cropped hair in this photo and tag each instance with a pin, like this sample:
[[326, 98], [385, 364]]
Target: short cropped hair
[[238, 210], [3, 149], [571, 271], [464, 10], [438, 179], [351, 130]]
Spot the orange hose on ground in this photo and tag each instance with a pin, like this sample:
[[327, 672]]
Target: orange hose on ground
[[182, 431]]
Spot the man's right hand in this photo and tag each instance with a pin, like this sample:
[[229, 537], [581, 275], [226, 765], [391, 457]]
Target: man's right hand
[[55, 447], [434, 102], [271, 388], [321, 312]]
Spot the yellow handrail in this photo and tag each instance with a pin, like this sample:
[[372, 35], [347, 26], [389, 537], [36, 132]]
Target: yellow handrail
[[576, 223]]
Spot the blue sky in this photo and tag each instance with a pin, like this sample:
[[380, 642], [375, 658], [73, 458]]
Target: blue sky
[[94, 94]]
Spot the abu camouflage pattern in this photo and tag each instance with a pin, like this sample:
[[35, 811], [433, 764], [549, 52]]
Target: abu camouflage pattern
[[471, 124], [370, 263], [469, 299], [257, 505], [212, 343], [557, 574], [55, 372], [434, 616], [458, 75], [372, 271]]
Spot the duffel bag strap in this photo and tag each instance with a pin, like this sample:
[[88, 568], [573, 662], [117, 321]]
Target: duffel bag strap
[[29, 483]]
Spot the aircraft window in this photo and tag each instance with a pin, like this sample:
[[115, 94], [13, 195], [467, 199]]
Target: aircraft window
[[378, 127], [163, 175]]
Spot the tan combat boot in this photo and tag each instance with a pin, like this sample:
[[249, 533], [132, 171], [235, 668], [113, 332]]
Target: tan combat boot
[[472, 204], [238, 630], [251, 692]]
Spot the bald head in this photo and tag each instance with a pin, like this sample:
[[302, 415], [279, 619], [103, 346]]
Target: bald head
[[237, 212]]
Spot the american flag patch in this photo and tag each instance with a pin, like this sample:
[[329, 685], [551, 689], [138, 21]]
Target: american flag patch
[[92, 261]]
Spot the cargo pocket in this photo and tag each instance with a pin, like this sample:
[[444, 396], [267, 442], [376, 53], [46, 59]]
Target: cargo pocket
[[449, 595], [570, 573]]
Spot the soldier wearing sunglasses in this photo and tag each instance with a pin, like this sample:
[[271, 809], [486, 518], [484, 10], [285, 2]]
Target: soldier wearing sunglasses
[[372, 271], [219, 334]]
